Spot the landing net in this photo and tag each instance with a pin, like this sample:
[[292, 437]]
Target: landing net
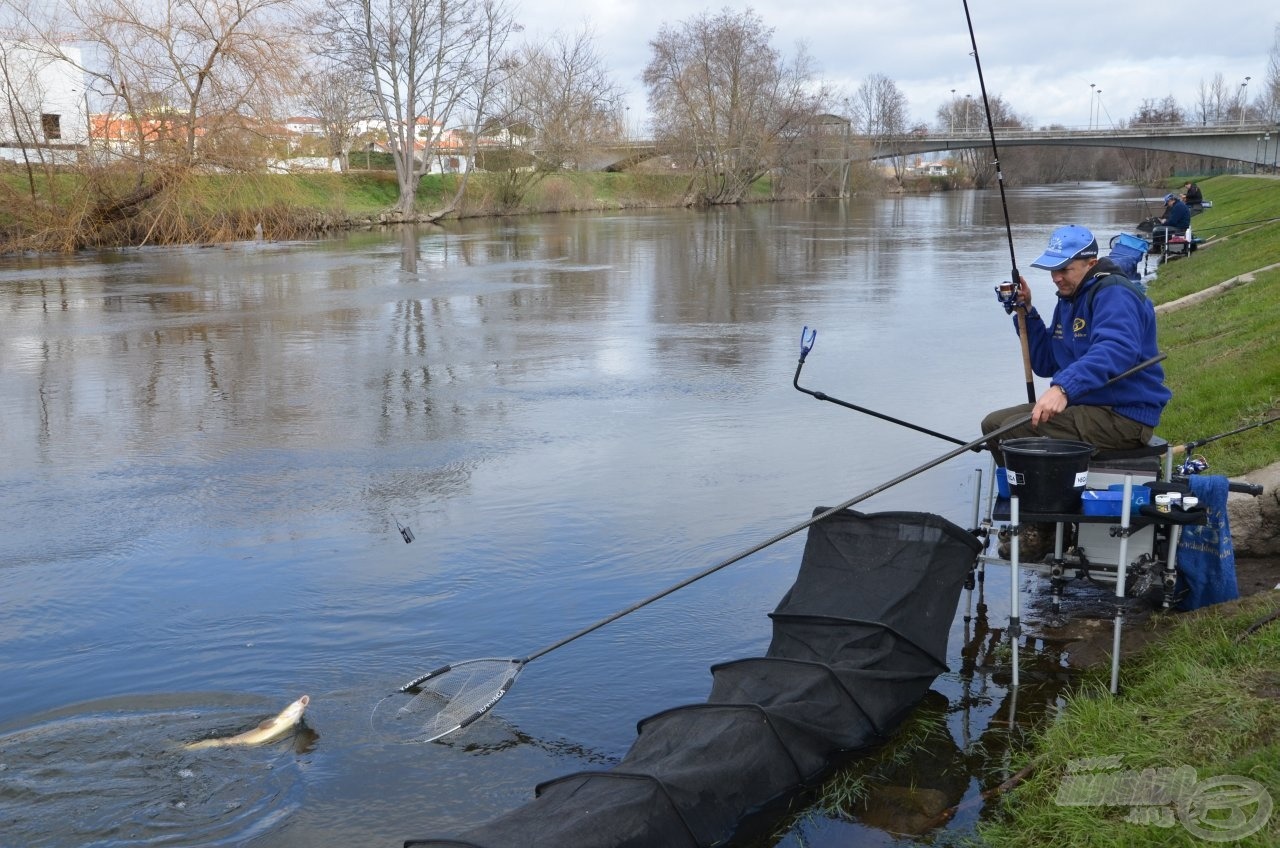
[[447, 701]]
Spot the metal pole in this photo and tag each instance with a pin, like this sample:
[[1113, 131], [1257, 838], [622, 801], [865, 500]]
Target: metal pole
[[1015, 622], [1122, 566]]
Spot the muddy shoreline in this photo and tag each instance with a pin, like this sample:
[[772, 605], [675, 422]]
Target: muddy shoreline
[[1084, 628]]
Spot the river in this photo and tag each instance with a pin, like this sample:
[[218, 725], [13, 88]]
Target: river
[[209, 454]]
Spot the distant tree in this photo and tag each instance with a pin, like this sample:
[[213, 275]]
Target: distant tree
[[431, 66], [557, 101], [977, 161], [726, 102], [879, 116], [1151, 165], [1155, 113], [1213, 102], [340, 100], [1270, 100]]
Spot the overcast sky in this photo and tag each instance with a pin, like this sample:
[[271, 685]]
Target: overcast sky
[[1039, 56]]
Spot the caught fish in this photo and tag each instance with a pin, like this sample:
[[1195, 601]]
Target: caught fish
[[271, 729]]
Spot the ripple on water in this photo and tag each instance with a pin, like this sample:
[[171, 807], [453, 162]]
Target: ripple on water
[[114, 773]]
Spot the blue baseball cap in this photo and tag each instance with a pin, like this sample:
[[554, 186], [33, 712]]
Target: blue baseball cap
[[1066, 244], [1169, 197]]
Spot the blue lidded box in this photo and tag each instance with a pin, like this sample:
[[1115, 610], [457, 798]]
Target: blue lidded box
[[1109, 501]]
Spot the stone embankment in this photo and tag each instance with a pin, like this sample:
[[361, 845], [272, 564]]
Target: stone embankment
[[1255, 522]]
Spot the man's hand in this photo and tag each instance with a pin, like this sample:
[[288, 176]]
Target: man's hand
[[1024, 293], [1053, 401]]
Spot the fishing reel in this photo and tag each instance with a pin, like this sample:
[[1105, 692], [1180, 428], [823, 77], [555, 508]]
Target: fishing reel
[[1007, 293], [1193, 465]]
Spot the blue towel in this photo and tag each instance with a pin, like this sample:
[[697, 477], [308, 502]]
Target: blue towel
[[1206, 557]]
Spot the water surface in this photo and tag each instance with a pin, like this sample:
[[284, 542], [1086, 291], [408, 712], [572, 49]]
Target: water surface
[[207, 453]]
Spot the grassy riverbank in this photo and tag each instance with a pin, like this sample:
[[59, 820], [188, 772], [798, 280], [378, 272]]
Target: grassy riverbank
[[1224, 361], [60, 211], [1203, 696]]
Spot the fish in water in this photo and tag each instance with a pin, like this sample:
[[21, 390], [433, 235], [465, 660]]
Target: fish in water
[[270, 729]]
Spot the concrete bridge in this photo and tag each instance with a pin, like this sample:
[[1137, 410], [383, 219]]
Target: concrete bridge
[[1251, 143]]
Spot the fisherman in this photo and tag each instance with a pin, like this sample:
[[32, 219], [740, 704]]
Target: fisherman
[[1177, 215], [1102, 325], [1193, 197]]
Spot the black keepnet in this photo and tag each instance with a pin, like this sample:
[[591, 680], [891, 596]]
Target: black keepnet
[[857, 642]]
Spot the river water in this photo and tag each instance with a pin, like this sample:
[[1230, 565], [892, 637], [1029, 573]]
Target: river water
[[208, 453]]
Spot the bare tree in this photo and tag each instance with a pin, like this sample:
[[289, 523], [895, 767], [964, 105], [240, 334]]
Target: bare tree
[[879, 116], [192, 79], [968, 116], [182, 85], [563, 92], [1150, 165], [341, 102], [557, 102], [431, 67], [1270, 100], [1213, 102], [725, 101]]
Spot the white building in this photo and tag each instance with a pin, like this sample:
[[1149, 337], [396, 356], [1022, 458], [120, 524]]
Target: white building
[[45, 104]]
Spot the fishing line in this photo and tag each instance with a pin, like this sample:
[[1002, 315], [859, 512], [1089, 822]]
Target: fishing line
[[1238, 224], [1016, 278]]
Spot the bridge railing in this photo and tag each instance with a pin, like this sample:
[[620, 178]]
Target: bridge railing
[[1143, 130]]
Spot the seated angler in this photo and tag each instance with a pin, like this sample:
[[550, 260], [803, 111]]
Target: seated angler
[[1102, 325], [1176, 217]]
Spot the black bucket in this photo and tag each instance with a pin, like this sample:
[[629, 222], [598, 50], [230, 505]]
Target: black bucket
[[1047, 475]]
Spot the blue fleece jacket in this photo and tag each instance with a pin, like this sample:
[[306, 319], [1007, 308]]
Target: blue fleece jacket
[[1178, 216], [1091, 339]]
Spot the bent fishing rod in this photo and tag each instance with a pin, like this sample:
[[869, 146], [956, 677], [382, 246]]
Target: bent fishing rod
[[1009, 296], [454, 696]]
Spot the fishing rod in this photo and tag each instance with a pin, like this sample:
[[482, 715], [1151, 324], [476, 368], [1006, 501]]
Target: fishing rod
[[1190, 446], [807, 339], [453, 696], [1010, 291]]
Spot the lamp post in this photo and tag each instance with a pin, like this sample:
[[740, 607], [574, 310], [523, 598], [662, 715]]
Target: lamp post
[[968, 101], [1092, 86], [951, 114], [1098, 122], [1243, 86]]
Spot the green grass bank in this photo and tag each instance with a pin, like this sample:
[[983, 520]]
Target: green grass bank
[[1224, 353], [1201, 701]]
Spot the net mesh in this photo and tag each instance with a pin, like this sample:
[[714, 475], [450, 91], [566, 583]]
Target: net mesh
[[448, 700]]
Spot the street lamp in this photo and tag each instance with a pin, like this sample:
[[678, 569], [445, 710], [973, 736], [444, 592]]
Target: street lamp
[[951, 114], [968, 101], [1098, 122], [1243, 85], [1092, 86]]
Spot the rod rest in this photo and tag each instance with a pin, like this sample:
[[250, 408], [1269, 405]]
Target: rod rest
[[1253, 489]]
